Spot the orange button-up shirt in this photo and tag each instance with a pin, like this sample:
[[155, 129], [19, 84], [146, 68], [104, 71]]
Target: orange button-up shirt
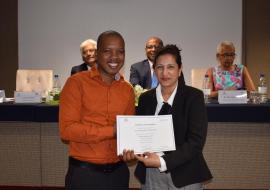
[[88, 109]]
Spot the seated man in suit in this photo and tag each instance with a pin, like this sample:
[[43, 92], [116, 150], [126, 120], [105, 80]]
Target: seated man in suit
[[141, 73], [88, 51]]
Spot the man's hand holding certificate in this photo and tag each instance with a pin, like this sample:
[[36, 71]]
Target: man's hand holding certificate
[[145, 133]]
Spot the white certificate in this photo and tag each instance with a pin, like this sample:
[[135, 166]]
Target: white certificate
[[145, 133]]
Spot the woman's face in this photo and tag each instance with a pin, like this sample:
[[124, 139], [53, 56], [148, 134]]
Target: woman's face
[[226, 56], [167, 71]]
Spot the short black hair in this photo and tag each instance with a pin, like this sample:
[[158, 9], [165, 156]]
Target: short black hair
[[172, 50], [155, 38], [108, 33]]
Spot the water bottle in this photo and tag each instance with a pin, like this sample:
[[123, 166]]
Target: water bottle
[[206, 89], [262, 89], [56, 83], [55, 92], [56, 87]]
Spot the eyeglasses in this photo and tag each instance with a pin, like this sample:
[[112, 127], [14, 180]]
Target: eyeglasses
[[153, 46], [228, 55]]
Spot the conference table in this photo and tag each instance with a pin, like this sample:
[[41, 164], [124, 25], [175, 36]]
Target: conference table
[[237, 149], [216, 112]]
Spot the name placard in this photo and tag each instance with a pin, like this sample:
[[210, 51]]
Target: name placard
[[27, 97], [232, 96]]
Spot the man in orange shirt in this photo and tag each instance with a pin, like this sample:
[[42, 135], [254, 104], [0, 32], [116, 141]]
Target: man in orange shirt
[[89, 103]]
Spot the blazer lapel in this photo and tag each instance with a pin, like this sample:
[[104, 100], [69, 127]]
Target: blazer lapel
[[151, 103], [148, 76], [178, 103], [179, 98]]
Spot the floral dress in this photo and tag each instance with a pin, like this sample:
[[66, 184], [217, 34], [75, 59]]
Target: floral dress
[[227, 79]]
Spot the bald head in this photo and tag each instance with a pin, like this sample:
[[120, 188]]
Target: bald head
[[109, 33]]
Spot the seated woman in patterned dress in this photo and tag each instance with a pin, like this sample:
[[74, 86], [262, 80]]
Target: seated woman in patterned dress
[[227, 75]]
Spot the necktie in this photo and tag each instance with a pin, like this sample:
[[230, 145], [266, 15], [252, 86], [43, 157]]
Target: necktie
[[165, 109], [154, 81]]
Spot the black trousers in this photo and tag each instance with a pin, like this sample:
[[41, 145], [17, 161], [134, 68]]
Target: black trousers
[[79, 178]]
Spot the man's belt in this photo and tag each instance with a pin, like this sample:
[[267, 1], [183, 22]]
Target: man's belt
[[105, 168]]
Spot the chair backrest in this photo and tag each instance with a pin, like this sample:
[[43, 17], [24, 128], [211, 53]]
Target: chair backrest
[[197, 76], [34, 81]]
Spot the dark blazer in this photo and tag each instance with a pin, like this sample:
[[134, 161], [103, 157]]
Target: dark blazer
[[186, 164], [79, 68], [140, 73]]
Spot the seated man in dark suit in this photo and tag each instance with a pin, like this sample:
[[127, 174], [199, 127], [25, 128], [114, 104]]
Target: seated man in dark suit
[[88, 51], [141, 73]]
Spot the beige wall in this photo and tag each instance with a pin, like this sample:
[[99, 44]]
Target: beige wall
[[256, 41], [60, 26], [256, 47]]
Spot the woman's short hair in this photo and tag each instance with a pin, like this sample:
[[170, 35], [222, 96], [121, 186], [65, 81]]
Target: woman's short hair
[[172, 50], [224, 43]]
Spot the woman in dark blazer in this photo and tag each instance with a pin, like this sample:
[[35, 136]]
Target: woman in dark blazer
[[185, 167]]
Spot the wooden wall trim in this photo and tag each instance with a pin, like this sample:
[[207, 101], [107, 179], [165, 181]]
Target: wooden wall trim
[[8, 45], [244, 32]]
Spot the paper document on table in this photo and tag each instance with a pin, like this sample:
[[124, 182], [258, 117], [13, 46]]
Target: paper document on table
[[145, 133]]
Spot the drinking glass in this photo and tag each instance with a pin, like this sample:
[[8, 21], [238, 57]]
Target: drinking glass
[[254, 97], [2, 96]]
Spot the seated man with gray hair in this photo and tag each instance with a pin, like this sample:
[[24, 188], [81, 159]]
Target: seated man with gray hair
[[88, 51]]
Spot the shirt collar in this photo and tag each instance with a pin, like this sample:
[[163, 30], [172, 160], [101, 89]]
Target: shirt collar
[[160, 99], [150, 63], [94, 73], [88, 67], [151, 66]]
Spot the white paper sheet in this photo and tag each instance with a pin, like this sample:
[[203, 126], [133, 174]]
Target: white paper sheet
[[145, 133]]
